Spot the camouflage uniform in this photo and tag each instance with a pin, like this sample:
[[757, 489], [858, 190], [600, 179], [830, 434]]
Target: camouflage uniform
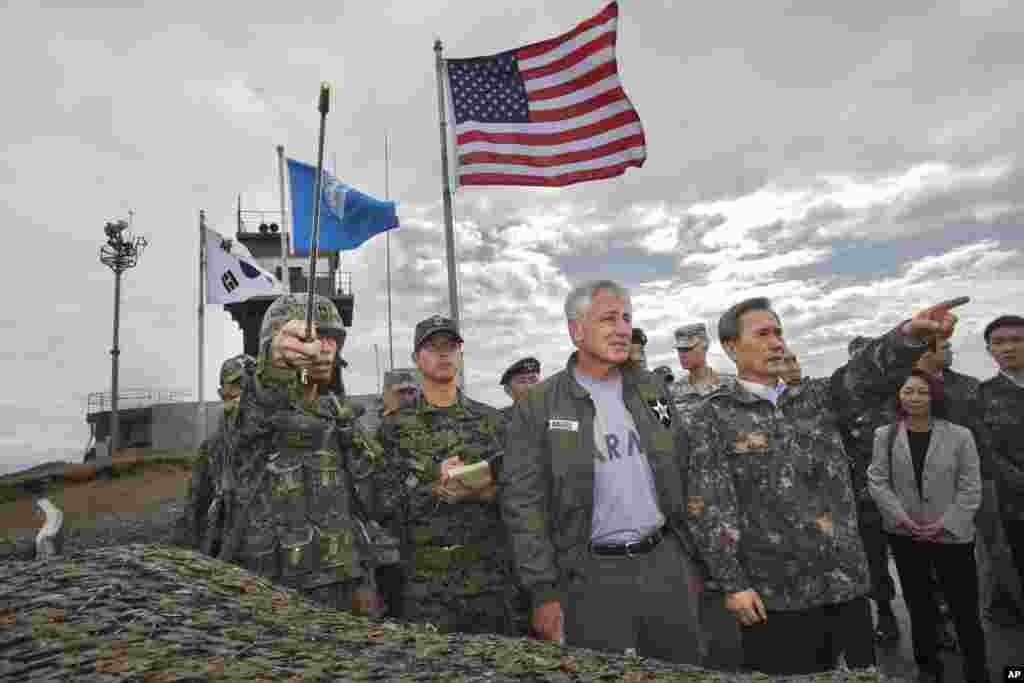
[[770, 498], [196, 528], [1001, 414], [687, 397], [454, 553], [291, 471]]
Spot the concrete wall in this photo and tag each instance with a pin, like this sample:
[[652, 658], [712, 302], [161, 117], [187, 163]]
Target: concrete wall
[[174, 424]]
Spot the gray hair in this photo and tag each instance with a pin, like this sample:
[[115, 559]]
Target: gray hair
[[577, 304], [729, 323]]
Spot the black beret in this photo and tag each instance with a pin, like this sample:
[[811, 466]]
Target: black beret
[[528, 364]]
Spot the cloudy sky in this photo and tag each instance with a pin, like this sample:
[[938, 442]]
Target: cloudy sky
[[853, 161]]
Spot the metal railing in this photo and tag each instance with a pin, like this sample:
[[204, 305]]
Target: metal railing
[[99, 401], [336, 284]]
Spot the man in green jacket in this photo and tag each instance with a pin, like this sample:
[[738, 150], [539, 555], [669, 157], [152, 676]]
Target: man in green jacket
[[771, 503], [593, 495]]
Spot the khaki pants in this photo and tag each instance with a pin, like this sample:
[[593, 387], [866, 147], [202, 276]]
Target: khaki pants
[[645, 603]]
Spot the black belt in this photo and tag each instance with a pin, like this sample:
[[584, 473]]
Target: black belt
[[630, 549]]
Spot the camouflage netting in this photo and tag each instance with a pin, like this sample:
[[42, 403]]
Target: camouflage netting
[[154, 613]]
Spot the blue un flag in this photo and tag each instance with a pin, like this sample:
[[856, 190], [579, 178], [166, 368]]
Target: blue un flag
[[347, 216]]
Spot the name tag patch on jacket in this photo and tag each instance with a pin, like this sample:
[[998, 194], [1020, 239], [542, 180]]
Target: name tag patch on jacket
[[563, 425]]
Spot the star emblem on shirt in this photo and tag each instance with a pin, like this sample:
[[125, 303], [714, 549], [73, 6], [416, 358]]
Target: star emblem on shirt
[[662, 412]]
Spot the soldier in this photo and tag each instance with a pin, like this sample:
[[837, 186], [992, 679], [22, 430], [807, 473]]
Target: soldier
[[518, 379], [857, 425], [593, 490], [638, 349], [793, 373], [193, 526], [1001, 410], [770, 499], [399, 389], [702, 380], [452, 540], [292, 463], [723, 635]]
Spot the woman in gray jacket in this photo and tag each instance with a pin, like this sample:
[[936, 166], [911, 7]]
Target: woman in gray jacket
[[925, 477]]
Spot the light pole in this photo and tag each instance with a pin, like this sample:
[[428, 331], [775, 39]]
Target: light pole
[[120, 253]]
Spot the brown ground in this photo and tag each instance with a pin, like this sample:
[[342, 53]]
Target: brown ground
[[81, 500]]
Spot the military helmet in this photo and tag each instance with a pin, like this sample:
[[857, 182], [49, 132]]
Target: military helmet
[[293, 307], [233, 368]]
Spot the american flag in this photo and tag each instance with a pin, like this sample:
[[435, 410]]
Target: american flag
[[552, 113]]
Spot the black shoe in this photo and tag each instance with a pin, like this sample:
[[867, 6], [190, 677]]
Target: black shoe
[[888, 631]]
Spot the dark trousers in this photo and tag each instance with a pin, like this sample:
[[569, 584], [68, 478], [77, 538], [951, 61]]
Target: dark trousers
[[876, 547], [810, 641], [646, 603], [957, 572], [1014, 529]]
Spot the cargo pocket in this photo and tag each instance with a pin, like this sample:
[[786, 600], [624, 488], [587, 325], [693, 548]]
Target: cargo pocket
[[297, 553], [336, 548]]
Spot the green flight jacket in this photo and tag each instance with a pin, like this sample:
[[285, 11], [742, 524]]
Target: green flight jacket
[[771, 502], [547, 482]]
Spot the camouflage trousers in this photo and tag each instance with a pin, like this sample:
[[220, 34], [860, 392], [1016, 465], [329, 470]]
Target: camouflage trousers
[[459, 586]]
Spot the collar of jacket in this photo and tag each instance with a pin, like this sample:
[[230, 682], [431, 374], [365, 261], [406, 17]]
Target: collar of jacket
[[425, 406], [1005, 376], [632, 378], [732, 387]]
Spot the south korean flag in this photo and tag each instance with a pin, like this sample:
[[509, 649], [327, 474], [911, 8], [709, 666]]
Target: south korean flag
[[232, 274]]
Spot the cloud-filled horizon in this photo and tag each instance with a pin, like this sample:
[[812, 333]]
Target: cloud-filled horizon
[[853, 163]]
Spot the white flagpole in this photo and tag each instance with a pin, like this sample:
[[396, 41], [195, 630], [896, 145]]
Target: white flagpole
[[201, 405], [285, 279], [446, 193]]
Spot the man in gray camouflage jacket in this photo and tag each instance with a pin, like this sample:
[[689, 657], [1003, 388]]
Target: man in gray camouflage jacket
[[770, 499]]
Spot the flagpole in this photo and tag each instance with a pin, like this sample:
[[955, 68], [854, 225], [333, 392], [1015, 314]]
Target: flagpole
[[387, 242], [285, 280], [446, 190], [201, 405], [323, 107]]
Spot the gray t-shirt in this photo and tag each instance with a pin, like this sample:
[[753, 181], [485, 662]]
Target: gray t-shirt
[[625, 499]]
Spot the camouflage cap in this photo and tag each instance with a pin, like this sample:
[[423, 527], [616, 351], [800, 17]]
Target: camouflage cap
[[688, 336], [434, 325], [639, 337], [233, 368], [528, 364], [293, 307], [856, 344]]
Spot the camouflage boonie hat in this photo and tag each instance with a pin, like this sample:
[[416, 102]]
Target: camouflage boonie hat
[[293, 307], [688, 336], [233, 368], [431, 326], [528, 364]]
